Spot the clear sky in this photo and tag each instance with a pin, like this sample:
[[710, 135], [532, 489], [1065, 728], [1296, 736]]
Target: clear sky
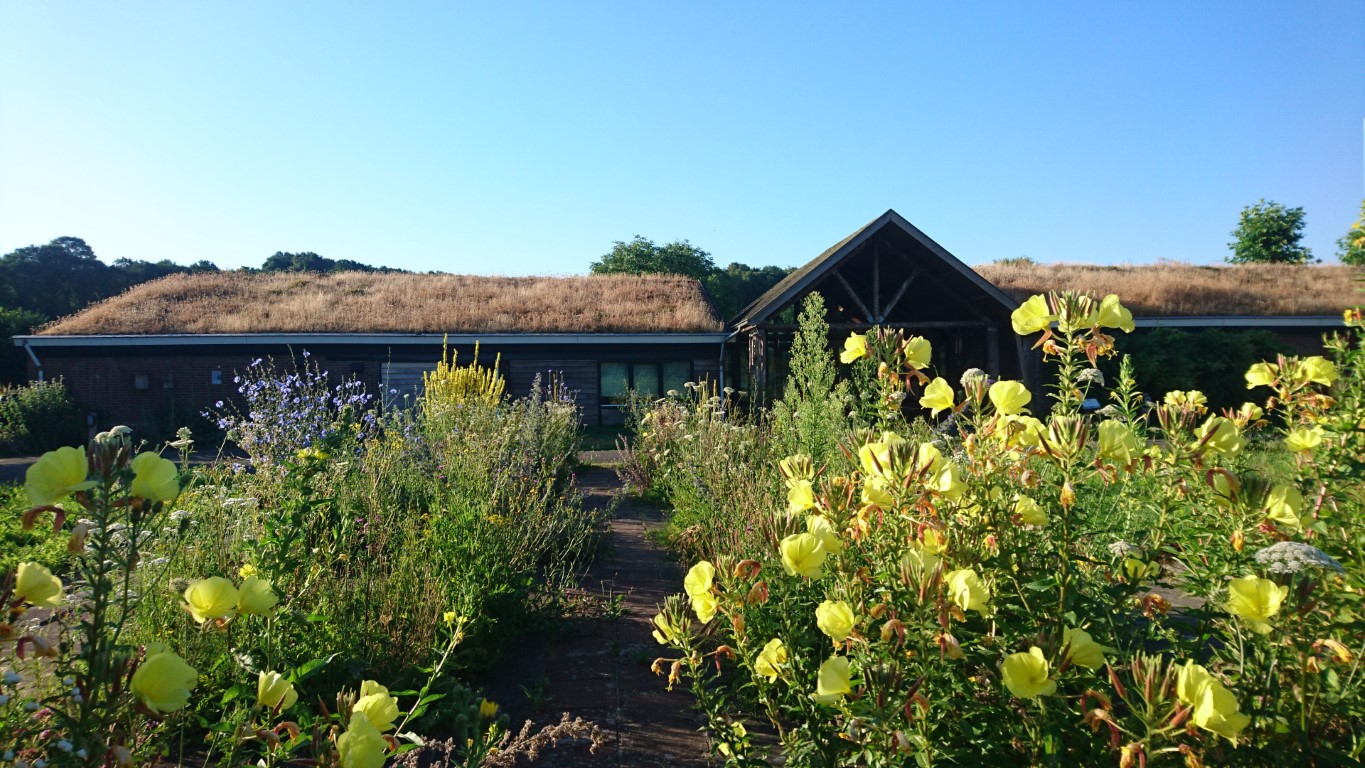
[[526, 137]]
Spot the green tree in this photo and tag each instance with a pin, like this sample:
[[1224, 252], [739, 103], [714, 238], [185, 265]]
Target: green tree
[[812, 416], [13, 360], [1269, 233], [641, 256], [1351, 246], [736, 286]]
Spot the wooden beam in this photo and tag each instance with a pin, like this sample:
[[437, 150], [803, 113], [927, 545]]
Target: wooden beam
[[951, 293], [899, 293], [853, 294]]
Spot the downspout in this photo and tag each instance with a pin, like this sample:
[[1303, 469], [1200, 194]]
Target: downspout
[[36, 362], [721, 359]]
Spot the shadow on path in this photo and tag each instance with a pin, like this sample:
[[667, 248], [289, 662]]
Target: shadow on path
[[596, 664]]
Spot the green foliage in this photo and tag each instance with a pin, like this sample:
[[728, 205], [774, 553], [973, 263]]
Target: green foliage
[[308, 261], [736, 287], [13, 360], [37, 417], [1269, 233], [812, 415], [1351, 246], [1210, 360], [641, 256], [39, 543]]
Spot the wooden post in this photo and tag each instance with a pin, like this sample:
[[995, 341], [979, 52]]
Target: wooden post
[[758, 366]]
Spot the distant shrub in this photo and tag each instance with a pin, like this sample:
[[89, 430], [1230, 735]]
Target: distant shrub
[[38, 417], [1210, 360]]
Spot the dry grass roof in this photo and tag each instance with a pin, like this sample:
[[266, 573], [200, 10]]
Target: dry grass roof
[[1173, 289], [364, 302]]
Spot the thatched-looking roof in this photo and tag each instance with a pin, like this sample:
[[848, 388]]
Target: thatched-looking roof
[[363, 302], [1171, 289]]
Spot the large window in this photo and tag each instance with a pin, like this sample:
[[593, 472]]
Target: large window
[[619, 379]]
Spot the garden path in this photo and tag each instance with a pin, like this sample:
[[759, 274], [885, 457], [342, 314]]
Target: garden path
[[595, 663]]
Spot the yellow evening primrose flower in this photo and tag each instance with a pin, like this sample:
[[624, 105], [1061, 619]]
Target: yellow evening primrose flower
[[699, 579], [488, 709], [56, 475], [803, 555], [36, 586], [1112, 314], [212, 598], [1193, 398], [918, 352], [1304, 439], [705, 605], [1117, 442], [1140, 570], [1250, 412], [933, 542], [1255, 600], [877, 491], [938, 396], [1031, 316], [256, 596], [1223, 435], [247, 570], [771, 660], [664, 631], [875, 458], [1262, 375], [797, 467], [1319, 370], [163, 681], [967, 591], [362, 745], [835, 619], [947, 480], [855, 347], [1082, 649], [378, 706], [800, 497], [449, 617], [1020, 431], [274, 691], [1026, 674], [832, 682], [1009, 397], [1029, 512], [1282, 505], [154, 478], [1214, 706], [821, 528]]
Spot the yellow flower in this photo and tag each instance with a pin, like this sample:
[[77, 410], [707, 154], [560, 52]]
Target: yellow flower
[[821, 528], [835, 619], [154, 478], [699, 579], [918, 352], [377, 705], [1117, 442], [1026, 674], [1029, 512], [1282, 505], [1193, 398], [1256, 600], [664, 631], [1009, 397], [163, 681], [449, 617], [1261, 375], [1319, 370], [212, 598], [966, 590], [947, 480], [875, 458], [1304, 439], [798, 467], [1112, 314], [36, 586], [247, 570], [488, 709], [275, 692], [56, 475], [1214, 707], [1223, 435], [771, 660], [362, 745], [1139, 570], [933, 542], [832, 682], [802, 555], [1021, 431], [855, 347], [800, 496], [1250, 412], [705, 605], [1082, 649], [1031, 316], [938, 396], [256, 596]]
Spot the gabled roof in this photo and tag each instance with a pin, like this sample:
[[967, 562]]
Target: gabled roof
[[941, 264], [397, 303]]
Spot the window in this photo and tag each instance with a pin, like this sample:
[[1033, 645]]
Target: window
[[618, 380], [215, 377], [142, 381]]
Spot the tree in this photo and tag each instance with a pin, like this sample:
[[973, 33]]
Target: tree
[[1269, 233], [641, 256], [1351, 246]]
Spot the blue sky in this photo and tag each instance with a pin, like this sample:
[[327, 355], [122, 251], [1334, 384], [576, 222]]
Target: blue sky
[[523, 138]]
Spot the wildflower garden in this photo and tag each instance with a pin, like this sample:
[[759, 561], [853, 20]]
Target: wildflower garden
[[885, 567]]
